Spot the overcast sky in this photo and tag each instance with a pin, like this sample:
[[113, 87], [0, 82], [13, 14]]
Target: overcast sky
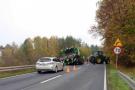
[[20, 19]]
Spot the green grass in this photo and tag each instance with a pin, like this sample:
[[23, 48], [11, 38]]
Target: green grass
[[129, 71], [114, 81], [17, 72]]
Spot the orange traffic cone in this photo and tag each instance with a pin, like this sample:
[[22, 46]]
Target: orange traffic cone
[[74, 68], [67, 69]]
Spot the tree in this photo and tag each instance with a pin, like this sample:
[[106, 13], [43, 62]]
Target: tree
[[94, 49], [9, 55], [28, 50], [62, 43], [53, 46], [72, 42], [116, 19], [85, 50], [33, 49], [38, 47], [45, 45]]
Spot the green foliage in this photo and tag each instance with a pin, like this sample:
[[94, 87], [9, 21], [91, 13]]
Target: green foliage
[[69, 42], [33, 49], [8, 54], [28, 50], [72, 42], [94, 49], [114, 81], [38, 47], [53, 46], [85, 50]]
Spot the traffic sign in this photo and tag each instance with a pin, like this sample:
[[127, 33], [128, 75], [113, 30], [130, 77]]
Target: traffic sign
[[117, 50], [118, 43]]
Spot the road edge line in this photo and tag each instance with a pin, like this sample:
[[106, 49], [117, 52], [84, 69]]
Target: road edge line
[[105, 83], [51, 79]]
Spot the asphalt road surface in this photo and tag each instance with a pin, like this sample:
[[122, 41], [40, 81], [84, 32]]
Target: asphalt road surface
[[85, 77]]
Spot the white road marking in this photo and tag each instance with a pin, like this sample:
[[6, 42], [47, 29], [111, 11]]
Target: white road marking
[[105, 84], [51, 79], [79, 68]]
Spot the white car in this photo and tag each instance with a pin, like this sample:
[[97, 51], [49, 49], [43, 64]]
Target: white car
[[49, 64]]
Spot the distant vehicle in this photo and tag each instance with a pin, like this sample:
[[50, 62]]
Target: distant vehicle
[[49, 64], [99, 58]]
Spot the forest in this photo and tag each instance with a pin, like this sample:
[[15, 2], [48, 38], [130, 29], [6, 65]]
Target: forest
[[116, 19], [34, 48]]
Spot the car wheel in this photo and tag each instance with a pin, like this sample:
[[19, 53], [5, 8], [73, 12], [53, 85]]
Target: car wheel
[[39, 72], [62, 68], [56, 69]]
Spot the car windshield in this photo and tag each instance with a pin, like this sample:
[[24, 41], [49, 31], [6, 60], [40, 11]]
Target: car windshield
[[44, 59]]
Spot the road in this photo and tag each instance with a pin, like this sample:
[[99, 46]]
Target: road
[[85, 77]]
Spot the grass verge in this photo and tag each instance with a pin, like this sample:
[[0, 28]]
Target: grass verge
[[16, 72], [114, 81], [129, 71]]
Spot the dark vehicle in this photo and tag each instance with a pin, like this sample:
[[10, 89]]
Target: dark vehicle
[[99, 58], [71, 56]]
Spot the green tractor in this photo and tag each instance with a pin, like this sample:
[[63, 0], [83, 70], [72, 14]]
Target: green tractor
[[71, 56], [99, 58]]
